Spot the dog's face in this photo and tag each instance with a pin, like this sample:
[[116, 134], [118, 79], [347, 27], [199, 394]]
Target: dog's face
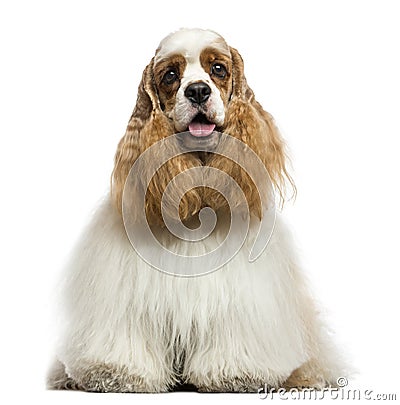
[[195, 86], [193, 75]]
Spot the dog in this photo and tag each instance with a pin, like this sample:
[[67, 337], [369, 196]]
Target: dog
[[234, 325]]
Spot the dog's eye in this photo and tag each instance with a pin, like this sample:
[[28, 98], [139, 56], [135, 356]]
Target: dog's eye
[[170, 76], [218, 70]]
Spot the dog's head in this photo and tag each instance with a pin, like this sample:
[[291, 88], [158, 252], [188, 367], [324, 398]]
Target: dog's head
[[193, 76], [195, 86]]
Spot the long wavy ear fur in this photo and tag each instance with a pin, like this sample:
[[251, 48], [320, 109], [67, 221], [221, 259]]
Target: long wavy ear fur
[[129, 147], [147, 125], [247, 121]]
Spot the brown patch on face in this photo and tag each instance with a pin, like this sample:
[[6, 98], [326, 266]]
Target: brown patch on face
[[167, 91], [210, 57]]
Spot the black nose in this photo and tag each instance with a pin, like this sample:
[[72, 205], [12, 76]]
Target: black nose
[[198, 92]]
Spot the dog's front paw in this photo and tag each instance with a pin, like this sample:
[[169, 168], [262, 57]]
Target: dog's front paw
[[100, 377], [237, 384], [240, 383], [106, 378]]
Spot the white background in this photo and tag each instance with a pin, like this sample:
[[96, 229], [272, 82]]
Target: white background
[[329, 73]]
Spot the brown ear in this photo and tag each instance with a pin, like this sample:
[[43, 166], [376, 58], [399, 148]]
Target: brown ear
[[131, 145], [147, 98], [240, 88], [247, 120]]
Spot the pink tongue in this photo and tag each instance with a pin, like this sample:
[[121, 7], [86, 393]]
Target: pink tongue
[[198, 129]]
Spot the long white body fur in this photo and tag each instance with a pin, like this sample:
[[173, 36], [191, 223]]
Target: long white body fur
[[245, 319]]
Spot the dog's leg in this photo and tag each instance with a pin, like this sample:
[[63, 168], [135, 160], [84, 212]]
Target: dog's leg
[[225, 368], [111, 341], [258, 324], [125, 363], [235, 348]]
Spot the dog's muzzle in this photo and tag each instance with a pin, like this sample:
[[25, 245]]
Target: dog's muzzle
[[201, 135]]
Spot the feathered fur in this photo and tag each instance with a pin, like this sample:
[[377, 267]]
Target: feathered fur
[[255, 322], [129, 328]]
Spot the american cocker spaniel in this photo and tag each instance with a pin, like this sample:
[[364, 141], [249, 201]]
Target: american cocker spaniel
[[147, 308]]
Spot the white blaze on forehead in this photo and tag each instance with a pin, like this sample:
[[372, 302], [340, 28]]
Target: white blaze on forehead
[[190, 43]]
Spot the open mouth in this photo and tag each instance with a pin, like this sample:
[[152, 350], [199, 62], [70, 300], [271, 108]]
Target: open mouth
[[200, 136], [200, 126]]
